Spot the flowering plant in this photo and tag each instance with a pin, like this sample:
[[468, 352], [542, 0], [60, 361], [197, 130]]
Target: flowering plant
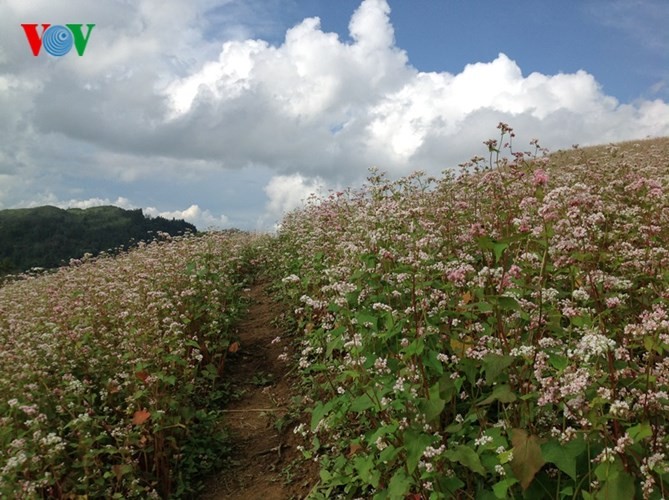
[[110, 368], [495, 334]]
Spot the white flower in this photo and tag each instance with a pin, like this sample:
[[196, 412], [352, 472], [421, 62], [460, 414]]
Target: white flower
[[593, 344], [483, 440]]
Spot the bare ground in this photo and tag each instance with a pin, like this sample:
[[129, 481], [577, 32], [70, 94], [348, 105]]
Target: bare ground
[[265, 463]]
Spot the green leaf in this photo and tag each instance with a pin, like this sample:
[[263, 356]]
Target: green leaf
[[494, 364], [558, 362], [498, 249], [415, 348], [619, 487], [527, 458], [487, 243], [508, 303], [467, 457], [449, 485], [435, 405], [399, 485], [640, 431], [501, 393], [447, 389], [362, 403], [500, 489], [482, 307], [415, 443], [364, 466], [563, 456], [319, 411], [365, 317]]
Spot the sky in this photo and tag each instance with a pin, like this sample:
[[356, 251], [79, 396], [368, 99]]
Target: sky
[[230, 112]]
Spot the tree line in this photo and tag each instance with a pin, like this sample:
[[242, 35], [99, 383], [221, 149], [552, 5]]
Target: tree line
[[48, 237]]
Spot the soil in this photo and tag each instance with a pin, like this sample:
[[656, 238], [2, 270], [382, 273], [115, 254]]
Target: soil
[[265, 462]]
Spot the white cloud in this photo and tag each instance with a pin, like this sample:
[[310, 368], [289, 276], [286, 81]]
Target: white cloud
[[158, 96], [201, 219], [322, 107], [98, 202], [286, 193]]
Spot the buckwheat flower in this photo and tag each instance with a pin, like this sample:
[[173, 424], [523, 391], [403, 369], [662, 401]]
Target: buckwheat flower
[[13, 402], [276, 340], [381, 365], [540, 177], [380, 444], [523, 351], [17, 443], [29, 410], [580, 294], [619, 409], [612, 302], [379, 306], [606, 455], [622, 443], [291, 279], [431, 451], [483, 440], [499, 469], [604, 393], [356, 341], [594, 344], [501, 424]]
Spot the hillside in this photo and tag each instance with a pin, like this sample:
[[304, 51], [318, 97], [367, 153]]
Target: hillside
[[496, 334], [48, 236]]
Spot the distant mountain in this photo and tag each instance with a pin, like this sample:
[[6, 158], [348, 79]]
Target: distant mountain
[[49, 236]]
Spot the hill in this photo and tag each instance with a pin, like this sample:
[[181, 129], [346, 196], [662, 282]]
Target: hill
[[48, 236]]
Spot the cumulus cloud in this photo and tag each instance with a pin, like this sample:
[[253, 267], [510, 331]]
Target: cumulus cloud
[[320, 106], [158, 94], [98, 202], [286, 193], [201, 219]]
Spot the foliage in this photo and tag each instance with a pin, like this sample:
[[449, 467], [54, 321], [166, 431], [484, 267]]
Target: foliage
[[502, 333], [498, 334], [49, 236], [110, 370]]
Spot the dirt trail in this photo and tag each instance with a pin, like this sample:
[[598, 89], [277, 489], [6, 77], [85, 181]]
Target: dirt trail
[[264, 446]]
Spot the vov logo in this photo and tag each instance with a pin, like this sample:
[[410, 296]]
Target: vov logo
[[57, 40]]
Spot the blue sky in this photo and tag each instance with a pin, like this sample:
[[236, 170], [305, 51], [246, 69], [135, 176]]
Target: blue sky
[[230, 112], [625, 44]]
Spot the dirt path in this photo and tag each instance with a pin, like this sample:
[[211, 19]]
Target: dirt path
[[264, 447]]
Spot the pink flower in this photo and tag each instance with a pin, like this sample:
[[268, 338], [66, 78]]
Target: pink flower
[[540, 177]]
